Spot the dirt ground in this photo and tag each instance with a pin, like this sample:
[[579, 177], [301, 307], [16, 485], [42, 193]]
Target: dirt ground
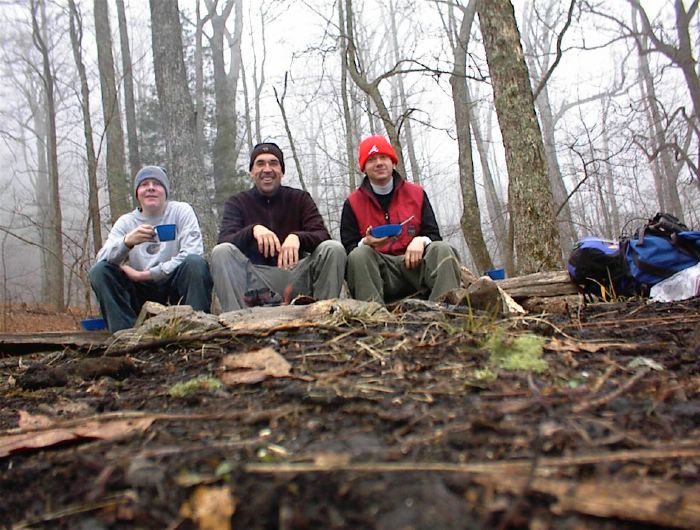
[[24, 318], [422, 419]]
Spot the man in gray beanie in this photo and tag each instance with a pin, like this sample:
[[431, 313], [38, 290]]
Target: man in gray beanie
[[134, 266]]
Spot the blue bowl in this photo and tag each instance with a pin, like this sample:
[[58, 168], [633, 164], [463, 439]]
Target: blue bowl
[[93, 324], [386, 230]]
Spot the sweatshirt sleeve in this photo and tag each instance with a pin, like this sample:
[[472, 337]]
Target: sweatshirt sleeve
[[349, 229], [429, 226], [115, 250], [233, 230]]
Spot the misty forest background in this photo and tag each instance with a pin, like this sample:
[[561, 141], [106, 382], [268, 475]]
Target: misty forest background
[[530, 123]]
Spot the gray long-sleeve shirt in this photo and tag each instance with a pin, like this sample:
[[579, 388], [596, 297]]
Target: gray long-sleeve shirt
[[161, 259]]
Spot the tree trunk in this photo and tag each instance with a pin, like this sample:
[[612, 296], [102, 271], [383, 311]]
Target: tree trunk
[[290, 138], [76, 37], [223, 159], [55, 227], [350, 132], [536, 238], [665, 177], [370, 88], [494, 205], [199, 74], [471, 214], [117, 181], [403, 101], [129, 106], [185, 163]]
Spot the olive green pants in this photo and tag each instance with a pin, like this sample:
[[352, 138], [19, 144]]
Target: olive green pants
[[373, 276]]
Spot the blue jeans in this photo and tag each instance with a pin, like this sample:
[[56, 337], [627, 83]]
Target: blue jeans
[[121, 299]]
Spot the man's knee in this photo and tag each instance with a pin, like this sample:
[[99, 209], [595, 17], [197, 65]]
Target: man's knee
[[331, 249], [223, 253], [196, 264], [101, 272], [361, 254]]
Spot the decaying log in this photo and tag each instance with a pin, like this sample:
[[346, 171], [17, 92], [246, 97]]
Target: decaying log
[[20, 343], [540, 284]]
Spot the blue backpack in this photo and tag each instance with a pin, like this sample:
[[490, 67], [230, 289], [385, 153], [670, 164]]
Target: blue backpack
[[598, 268], [660, 248], [654, 255]]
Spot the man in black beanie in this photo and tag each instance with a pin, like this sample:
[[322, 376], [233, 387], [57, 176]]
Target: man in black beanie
[[273, 243]]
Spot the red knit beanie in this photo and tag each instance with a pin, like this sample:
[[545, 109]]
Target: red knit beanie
[[376, 145]]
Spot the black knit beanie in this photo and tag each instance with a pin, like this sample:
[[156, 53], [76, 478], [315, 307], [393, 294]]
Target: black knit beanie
[[266, 147]]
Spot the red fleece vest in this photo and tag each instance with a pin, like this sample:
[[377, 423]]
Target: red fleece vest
[[407, 201]]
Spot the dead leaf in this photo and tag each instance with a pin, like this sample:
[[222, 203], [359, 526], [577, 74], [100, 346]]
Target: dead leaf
[[93, 429], [254, 366], [210, 508], [32, 422]]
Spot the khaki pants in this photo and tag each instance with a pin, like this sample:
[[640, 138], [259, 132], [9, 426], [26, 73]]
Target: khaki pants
[[319, 275], [373, 276]]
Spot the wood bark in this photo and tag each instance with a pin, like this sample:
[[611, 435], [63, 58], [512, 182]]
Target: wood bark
[[536, 238], [225, 140], [537, 39], [496, 209], [128, 81], [185, 163], [471, 213], [117, 181], [76, 37], [54, 229], [350, 131]]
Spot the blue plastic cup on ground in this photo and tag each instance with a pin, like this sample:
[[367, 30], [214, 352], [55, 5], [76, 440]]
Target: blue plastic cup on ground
[[496, 274], [93, 324], [166, 232]]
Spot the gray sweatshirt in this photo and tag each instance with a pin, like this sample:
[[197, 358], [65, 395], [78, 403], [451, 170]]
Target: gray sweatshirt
[[160, 258]]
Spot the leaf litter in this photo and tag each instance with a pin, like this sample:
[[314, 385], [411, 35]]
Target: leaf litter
[[423, 417]]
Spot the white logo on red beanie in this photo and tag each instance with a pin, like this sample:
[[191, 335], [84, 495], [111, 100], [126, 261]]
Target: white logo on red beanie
[[374, 149]]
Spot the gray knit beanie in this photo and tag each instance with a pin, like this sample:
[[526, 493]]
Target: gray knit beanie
[[152, 172]]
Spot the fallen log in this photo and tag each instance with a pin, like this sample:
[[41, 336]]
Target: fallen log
[[21, 343], [539, 284]]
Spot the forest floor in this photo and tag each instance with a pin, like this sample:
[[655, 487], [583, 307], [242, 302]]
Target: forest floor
[[414, 418]]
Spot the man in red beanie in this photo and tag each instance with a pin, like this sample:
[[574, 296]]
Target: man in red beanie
[[273, 243], [385, 269]]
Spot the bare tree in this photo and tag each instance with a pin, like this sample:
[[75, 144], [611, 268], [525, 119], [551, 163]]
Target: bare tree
[[55, 228], [538, 52], [471, 213], [225, 141], [532, 217], [350, 131], [405, 119], [76, 36], [185, 163], [665, 174], [129, 107], [292, 145], [370, 88], [117, 181]]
